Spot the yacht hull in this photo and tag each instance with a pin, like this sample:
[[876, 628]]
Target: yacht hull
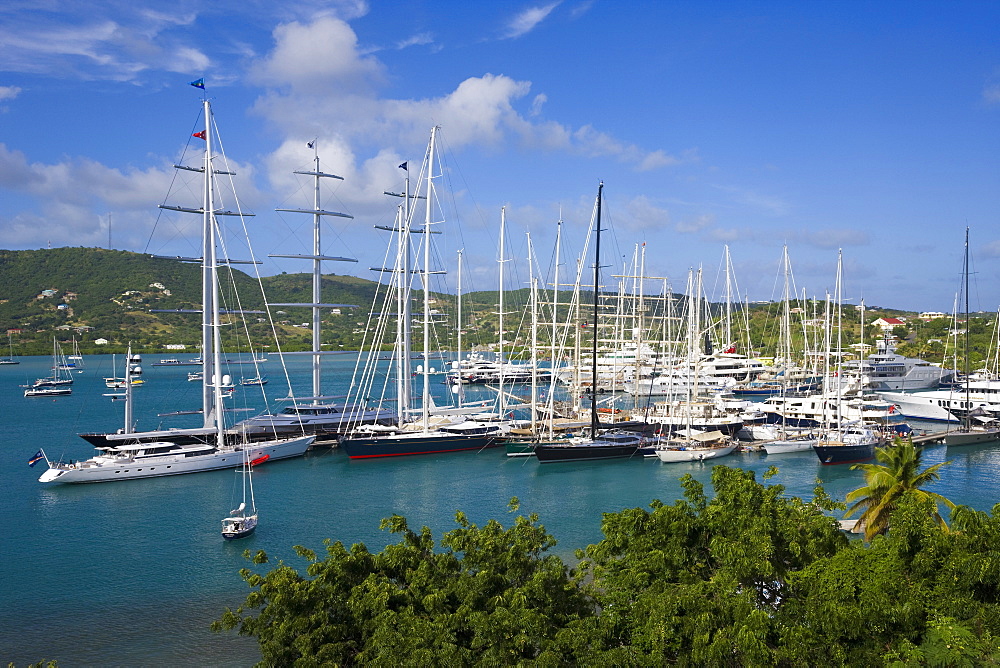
[[971, 437], [155, 467], [844, 453], [547, 453], [694, 454], [400, 445]]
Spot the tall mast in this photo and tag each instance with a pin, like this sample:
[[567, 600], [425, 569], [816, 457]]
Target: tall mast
[[553, 365], [555, 292], [210, 363], [458, 356], [405, 279], [503, 261], [534, 333], [965, 272], [213, 318], [317, 258], [426, 404], [597, 283], [729, 300]]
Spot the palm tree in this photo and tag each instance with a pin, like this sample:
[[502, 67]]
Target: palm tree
[[885, 483]]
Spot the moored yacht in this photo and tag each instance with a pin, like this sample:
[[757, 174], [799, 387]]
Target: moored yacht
[[129, 454]]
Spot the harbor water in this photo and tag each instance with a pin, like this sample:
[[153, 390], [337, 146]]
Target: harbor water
[[133, 572]]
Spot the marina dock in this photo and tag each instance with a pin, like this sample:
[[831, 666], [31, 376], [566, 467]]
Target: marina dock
[[929, 439]]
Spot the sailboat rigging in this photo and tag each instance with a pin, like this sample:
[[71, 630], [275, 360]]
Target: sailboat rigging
[[607, 445], [420, 436], [970, 433], [315, 414], [242, 521], [130, 454]]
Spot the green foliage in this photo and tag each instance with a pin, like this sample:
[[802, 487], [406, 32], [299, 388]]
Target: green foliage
[[700, 581], [486, 594], [746, 577], [114, 293], [885, 484]]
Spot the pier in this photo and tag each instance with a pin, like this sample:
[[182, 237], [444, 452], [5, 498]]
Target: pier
[[929, 439]]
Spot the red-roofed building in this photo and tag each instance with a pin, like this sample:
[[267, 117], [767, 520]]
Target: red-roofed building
[[887, 324]]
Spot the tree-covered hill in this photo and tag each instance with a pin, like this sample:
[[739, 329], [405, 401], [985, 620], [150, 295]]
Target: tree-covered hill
[[97, 293], [93, 293]]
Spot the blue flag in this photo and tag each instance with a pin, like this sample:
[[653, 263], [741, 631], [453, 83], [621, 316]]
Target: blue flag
[[403, 166], [199, 83], [39, 456]]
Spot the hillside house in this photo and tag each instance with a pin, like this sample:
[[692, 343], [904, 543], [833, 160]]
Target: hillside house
[[888, 324]]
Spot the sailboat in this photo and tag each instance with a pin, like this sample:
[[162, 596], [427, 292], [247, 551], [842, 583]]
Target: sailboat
[[242, 521], [59, 383], [843, 441], [607, 445], [986, 430], [11, 359], [316, 414], [780, 438], [75, 360], [130, 454], [114, 381], [429, 434]]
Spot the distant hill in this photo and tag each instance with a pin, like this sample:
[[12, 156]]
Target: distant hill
[[110, 294], [92, 293]]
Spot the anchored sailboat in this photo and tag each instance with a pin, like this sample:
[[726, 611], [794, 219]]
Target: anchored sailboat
[[609, 445], [242, 521], [426, 435], [986, 430], [129, 454], [319, 417]]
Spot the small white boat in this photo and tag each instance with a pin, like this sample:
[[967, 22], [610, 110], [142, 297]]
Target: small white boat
[[46, 391], [696, 448], [256, 380], [777, 440], [781, 446], [243, 521]]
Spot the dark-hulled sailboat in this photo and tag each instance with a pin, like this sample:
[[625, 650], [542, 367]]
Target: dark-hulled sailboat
[[609, 445]]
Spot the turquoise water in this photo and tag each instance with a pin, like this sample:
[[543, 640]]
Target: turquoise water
[[133, 572]]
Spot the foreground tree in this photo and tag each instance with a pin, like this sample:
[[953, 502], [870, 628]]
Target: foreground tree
[[747, 577], [485, 594], [917, 596], [699, 582], [885, 484]]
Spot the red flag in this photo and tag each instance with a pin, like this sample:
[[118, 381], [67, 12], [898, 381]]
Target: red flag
[[199, 135]]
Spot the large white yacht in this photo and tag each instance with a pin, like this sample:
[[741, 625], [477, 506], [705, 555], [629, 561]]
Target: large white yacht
[[949, 405]]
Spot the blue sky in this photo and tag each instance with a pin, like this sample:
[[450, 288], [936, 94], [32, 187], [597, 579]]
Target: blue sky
[[866, 126]]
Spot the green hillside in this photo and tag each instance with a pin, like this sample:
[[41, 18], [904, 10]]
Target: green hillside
[[92, 293]]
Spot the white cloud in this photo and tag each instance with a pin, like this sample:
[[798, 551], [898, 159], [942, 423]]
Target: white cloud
[[527, 20], [832, 238], [188, 60], [642, 214], [746, 197], [60, 201], [9, 92], [991, 249], [581, 9], [316, 58], [420, 39], [537, 104], [693, 225]]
